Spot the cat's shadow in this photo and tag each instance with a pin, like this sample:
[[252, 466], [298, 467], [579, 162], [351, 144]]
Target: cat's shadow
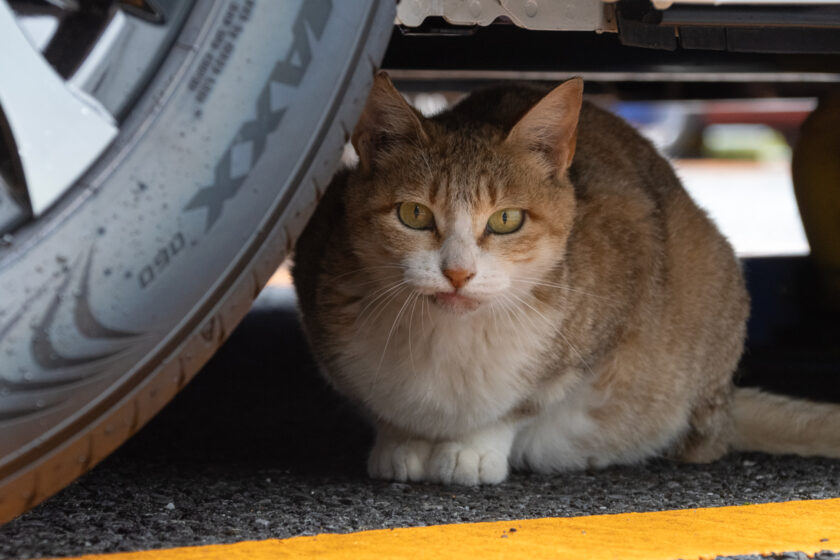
[[259, 400]]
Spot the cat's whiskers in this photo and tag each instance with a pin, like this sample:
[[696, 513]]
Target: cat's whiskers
[[555, 328], [519, 313], [422, 318], [414, 295], [389, 278], [502, 305], [512, 311], [535, 282], [429, 312], [493, 315], [369, 268], [378, 295], [380, 309], [388, 339], [393, 281], [379, 292]]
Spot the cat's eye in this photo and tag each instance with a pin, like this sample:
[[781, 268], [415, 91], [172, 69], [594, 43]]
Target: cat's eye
[[415, 215], [506, 221]]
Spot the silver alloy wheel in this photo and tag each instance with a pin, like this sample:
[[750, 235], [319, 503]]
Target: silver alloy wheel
[[56, 127]]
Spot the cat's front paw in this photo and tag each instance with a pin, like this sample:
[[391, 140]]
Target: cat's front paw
[[456, 463], [399, 460]]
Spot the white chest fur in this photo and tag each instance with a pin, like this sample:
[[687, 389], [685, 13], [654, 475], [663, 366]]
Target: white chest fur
[[439, 374]]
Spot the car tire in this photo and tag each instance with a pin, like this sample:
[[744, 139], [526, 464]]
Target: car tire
[[116, 297]]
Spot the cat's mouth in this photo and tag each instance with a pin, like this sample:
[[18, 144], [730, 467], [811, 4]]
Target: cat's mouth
[[454, 301]]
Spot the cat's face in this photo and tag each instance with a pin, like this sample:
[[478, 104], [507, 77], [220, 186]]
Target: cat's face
[[463, 217], [464, 231]]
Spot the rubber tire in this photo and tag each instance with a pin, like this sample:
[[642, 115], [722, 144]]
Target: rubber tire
[[116, 298]]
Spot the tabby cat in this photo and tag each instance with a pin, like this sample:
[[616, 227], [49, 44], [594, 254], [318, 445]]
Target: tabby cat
[[521, 281]]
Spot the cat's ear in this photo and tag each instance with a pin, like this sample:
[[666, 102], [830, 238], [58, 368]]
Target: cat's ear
[[386, 120], [550, 126]]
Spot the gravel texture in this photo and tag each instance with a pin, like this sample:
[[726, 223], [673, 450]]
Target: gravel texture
[[128, 505], [257, 447]]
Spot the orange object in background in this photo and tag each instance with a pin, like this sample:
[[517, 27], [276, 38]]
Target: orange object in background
[[816, 181]]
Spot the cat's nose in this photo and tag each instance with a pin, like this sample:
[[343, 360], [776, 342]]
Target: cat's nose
[[458, 277]]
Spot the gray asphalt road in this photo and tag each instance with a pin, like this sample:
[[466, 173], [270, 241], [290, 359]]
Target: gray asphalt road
[[256, 447], [127, 504]]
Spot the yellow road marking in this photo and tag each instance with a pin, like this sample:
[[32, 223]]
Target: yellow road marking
[[807, 526]]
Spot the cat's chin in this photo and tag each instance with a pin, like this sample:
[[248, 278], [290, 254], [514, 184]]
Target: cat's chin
[[455, 302]]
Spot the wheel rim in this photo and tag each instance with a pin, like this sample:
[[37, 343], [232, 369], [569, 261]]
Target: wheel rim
[[61, 107]]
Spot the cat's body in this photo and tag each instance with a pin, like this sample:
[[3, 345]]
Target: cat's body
[[605, 330]]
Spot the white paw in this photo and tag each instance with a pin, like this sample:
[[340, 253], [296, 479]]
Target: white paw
[[399, 460], [456, 463]]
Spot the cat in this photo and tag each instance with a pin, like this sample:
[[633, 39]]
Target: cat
[[522, 282]]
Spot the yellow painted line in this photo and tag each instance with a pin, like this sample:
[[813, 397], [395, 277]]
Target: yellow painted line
[[807, 526]]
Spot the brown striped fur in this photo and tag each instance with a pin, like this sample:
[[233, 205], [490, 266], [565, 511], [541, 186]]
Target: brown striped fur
[[614, 338]]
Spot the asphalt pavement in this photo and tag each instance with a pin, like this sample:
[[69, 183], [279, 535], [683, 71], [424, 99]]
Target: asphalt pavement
[[258, 447]]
